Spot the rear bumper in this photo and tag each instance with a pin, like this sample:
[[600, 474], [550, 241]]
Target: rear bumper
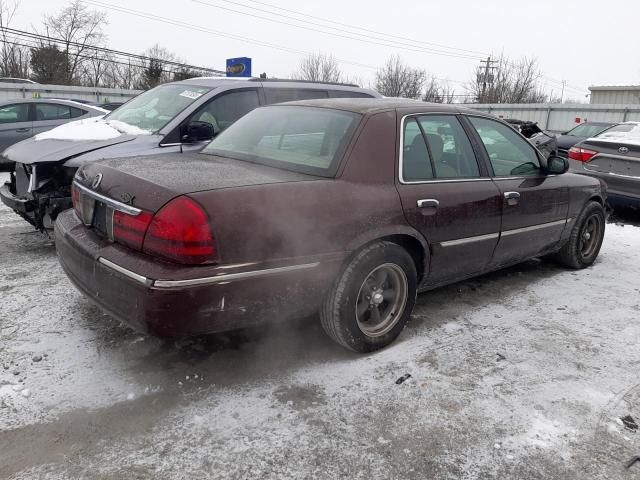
[[233, 298]]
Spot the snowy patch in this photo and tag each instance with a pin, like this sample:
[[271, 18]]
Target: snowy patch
[[95, 128]]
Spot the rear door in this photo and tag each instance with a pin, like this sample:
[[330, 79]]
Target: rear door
[[534, 204], [447, 195], [15, 124]]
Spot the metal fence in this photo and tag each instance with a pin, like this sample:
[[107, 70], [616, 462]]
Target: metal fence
[[12, 91], [560, 117]]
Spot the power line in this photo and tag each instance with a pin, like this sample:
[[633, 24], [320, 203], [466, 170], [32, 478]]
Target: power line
[[375, 40], [357, 27], [48, 39]]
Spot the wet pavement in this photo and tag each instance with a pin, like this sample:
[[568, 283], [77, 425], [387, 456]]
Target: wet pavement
[[523, 373]]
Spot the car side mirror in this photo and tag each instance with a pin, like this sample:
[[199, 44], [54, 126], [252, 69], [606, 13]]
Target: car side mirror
[[557, 165], [198, 131]]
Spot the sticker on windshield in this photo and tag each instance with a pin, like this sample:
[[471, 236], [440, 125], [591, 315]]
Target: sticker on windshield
[[190, 94]]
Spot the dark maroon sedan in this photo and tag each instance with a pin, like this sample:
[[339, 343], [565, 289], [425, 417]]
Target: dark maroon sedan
[[342, 207]]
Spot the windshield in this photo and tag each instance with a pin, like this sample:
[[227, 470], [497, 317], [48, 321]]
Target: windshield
[[153, 109], [587, 130], [302, 139]]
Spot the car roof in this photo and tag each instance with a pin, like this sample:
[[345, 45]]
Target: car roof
[[213, 82], [374, 105]]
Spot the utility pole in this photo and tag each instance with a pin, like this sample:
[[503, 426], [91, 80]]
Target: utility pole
[[487, 76], [564, 84]]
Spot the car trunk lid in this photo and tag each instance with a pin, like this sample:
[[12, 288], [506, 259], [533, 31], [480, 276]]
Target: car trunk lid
[[618, 159], [148, 183]]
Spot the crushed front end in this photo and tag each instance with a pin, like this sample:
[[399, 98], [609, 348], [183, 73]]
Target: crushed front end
[[39, 192]]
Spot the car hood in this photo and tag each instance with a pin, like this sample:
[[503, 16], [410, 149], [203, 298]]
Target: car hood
[[70, 140]]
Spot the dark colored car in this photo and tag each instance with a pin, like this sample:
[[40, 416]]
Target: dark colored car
[[343, 207], [614, 157], [543, 141], [175, 117], [566, 140]]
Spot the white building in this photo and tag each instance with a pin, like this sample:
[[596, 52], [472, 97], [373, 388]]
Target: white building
[[623, 94]]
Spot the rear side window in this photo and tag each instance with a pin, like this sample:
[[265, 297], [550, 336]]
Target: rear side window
[[226, 109], [436, 146], [510, 154], [14, 113], [52, 111], [279, 95], [76, 112]]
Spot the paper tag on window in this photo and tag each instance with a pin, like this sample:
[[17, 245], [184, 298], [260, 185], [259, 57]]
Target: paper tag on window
[[190, 94]]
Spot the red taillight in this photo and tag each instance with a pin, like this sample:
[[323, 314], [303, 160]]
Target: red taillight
[[581, 154], [180, 231], [75, 198], [130, 230]]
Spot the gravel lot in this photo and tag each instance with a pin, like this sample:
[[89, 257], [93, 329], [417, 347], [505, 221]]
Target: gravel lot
[[524, 373]]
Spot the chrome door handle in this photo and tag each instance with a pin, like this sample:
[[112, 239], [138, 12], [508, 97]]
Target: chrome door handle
[[512, 198], [23, 130], [428, 203]]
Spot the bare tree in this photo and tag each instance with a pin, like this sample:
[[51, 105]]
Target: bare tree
[[318, 67], [508, 82], [436, 91], [396, 79], [79, 28], [14, 58]]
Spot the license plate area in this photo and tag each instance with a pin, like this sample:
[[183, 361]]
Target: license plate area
[[103, 220]]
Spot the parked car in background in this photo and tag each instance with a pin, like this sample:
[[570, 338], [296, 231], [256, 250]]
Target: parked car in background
[[543, 141], [16, 80], [566, 140], [320, 206], [111, 106], [614, 157], [175, 117], [23, 118]]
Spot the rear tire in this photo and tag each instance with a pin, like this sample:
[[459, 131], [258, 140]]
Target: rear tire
[[583, 246], [372, 300]]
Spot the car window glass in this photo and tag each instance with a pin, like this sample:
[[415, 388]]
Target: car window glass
[[226, 109], [14, 113], [76, 112], [587, 130], [449, 147], [52, 111], [303, 139], [510, 154], [279, 95], [416, 163], [349, 94]]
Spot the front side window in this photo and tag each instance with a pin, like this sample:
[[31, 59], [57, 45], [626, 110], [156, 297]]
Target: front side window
[[153, 109], [280, 95], [302, 139], [226, 109], [510, 154], [14, 113], [436, 146], [52, 111]]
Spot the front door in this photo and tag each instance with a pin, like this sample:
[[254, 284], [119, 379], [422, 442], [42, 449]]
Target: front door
[[534, 204], [448, 196]]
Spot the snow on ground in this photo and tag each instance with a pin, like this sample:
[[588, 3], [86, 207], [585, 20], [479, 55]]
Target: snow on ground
[[523, 373]]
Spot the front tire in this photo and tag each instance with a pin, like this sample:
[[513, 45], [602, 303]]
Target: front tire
[[371, 301], [583, 246]]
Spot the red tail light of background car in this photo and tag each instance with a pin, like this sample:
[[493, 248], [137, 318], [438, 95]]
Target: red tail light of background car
[[581, 154]]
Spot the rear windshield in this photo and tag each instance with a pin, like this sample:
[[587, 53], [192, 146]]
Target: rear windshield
[[587, 130], [153, 109], [622, 128], [302, 139]]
